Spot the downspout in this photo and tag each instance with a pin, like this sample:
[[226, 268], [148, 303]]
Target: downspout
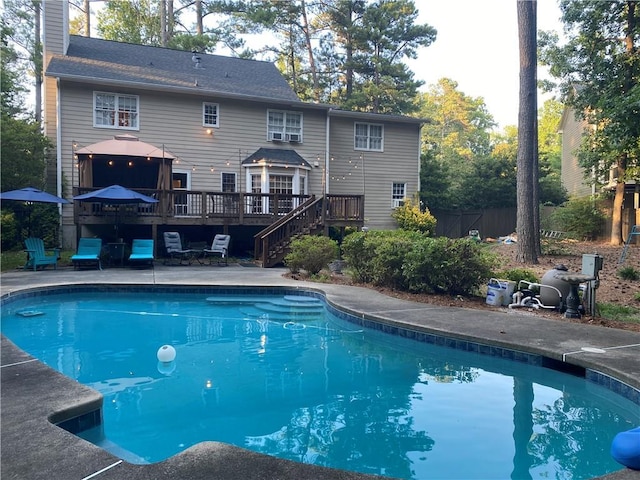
[[419, 159], [59, 159], [327, 146]]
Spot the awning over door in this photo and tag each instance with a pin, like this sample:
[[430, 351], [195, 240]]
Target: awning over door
[[277, 157]]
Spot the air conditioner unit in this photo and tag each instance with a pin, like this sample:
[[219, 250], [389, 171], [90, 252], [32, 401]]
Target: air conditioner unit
[[275, 136], [294, 137]]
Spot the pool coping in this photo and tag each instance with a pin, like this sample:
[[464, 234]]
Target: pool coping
[[32, 447]]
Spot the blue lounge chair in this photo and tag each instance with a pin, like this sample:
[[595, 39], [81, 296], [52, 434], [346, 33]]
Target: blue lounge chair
[[88, 253], [141, 252], [37, 255]]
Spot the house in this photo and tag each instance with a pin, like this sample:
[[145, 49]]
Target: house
[[573, 176], [223, 144]]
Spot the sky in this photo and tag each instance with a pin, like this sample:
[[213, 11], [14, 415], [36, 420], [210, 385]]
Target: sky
[[477, 46]]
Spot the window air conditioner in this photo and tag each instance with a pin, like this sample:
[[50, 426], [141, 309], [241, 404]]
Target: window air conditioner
[[275, 136], [294, 137]]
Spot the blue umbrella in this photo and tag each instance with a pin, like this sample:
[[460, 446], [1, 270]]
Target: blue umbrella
[[115, 194], [30, 194]]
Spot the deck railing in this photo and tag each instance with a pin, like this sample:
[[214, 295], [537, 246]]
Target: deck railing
[[204, 206]]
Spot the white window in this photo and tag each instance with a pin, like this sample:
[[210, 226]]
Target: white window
[[398, 191], [228, 182], [112, 110], [368, 136], [284, 126], [210, 114]]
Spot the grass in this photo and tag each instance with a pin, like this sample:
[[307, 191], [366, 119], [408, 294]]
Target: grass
[[619, 313], [14, 259]]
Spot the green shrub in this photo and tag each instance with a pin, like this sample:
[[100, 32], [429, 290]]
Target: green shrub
[[389, 255], [517, 274], [311, 253], [358, 251], [628, 273], [410, 217], [377, 256], [444, 265], [580, 218], [9, 230]]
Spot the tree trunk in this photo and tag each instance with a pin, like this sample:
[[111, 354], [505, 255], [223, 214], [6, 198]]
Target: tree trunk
[[618, 200], [199, 23], [37, 62], [527, 175], [312, 61], [87, 18], [163, 23]]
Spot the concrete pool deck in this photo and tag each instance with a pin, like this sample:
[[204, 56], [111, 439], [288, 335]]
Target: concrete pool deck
[[33, 395]]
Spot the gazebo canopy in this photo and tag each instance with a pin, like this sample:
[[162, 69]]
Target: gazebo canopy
[[125, 145]]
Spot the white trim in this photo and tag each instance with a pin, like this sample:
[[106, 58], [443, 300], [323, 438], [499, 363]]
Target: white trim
[[116, 96], [368, 147], [211, 125], [282, 133]]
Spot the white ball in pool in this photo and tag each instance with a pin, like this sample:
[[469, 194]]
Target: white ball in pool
[[166, 354]]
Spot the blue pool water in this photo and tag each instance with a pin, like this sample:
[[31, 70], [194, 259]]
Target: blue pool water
[[295, 381]]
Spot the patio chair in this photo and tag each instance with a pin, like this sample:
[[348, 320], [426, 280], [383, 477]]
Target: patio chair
[[88, 253], [173, 247], [37, 255], [141, 252], [219, 247]]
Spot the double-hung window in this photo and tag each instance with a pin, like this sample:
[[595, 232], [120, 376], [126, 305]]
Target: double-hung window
[[398, 194], [284, 126], [210, 114], [113, 110], [368, 136]]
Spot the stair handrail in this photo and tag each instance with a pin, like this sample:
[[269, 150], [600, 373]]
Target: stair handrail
[[261, 239]]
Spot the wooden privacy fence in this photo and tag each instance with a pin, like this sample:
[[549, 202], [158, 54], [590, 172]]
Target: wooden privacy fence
[[490, 222]]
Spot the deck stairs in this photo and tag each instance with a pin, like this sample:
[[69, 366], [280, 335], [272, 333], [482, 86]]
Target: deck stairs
[[272, 243]]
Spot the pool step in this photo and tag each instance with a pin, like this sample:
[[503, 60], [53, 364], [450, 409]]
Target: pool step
[[290, 307]]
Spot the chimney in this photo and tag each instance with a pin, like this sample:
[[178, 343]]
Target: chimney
[[56, 29]]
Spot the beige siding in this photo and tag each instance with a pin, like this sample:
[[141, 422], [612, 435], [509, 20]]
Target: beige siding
[[572, 175], [175, 123], [372, 173]]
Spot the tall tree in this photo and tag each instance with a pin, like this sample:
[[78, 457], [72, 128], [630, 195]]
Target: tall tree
[[458, 135], [599, 73], [22, 17], [388, 34], [528, 218], [22, 143]]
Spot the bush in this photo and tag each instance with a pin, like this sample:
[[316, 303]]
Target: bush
[[628, 273], [311, 253], [410, 217], [377, 256], [444, 265], [580, 218], [517, 274]]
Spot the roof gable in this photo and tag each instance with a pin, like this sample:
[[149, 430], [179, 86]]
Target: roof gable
[[103, 61]]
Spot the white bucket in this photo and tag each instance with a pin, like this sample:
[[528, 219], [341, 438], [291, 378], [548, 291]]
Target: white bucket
[[494, 292], [499, 292]]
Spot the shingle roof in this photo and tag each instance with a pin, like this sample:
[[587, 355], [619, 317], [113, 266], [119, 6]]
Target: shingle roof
[[280, 156], [102, 61]]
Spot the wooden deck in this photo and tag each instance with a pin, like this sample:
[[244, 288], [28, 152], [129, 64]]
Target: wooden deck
[[188, 208]]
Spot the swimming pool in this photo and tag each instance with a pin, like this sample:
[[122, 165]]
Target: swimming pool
[[327, 387]]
